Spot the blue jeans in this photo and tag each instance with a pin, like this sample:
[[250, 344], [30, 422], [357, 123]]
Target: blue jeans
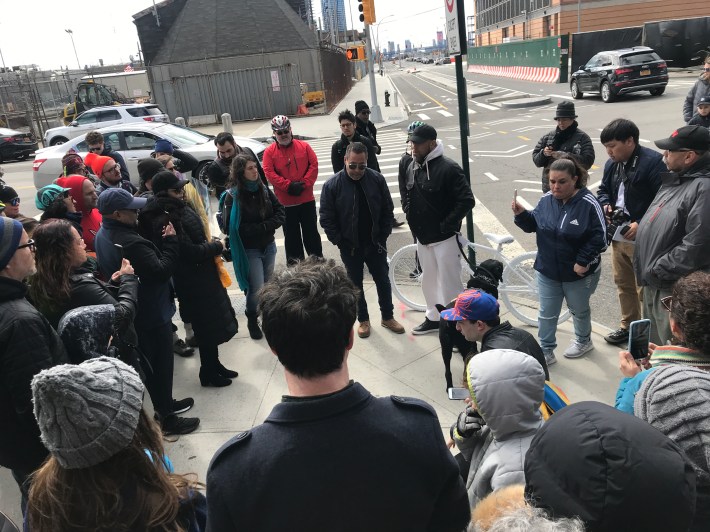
[[577, 294], [261, 266]]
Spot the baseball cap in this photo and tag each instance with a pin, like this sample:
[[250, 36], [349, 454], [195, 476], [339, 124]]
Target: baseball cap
[[117, 199], [46, 195], [422, 134], [705, 100], [472, 305], [686, 138], [166, 180]]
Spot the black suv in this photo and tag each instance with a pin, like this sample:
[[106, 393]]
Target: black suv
[[618, 72]]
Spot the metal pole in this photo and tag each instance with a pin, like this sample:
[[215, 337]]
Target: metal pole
[[463, 110], [71, 35], [376, 115]]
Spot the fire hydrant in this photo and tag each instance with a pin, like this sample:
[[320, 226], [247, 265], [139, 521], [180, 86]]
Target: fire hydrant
[[387, 98]]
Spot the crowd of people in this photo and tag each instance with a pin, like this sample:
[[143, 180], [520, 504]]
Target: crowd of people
[[86, 454]]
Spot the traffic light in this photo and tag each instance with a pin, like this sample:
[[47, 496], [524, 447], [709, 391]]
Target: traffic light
[[367, 11], [356, 53]]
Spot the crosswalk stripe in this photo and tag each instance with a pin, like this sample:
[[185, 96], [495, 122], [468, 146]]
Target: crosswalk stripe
[[423, 116], [445, 113]]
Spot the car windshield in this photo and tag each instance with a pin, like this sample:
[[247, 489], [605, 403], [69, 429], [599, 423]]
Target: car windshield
[[183, 136], [642, 57]]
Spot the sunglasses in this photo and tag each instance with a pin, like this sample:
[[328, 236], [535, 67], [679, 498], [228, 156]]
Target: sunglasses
[[667, 302], [281, 132], [98, 148], [365, 112], [706, 69], [30, 244], [14, 202], [357, 166]]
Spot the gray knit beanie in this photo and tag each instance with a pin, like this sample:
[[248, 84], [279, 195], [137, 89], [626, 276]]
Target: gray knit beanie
[[10, 236], [675, 400], [87, 412]]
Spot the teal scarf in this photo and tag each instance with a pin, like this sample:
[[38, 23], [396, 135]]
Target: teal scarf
[[240, 262]]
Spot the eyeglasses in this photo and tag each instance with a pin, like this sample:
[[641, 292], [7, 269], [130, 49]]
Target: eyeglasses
[[679, 150], [357, 166], [706, 69], [14, 202], [96, 148], [281, 132], [365, 112], [667, 302], [116, 168], [30, 244]]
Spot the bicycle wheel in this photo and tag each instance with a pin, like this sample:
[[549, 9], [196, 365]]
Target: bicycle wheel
[[406, 277], [519, 290]]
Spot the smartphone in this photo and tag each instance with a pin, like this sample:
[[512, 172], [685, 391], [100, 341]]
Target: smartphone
[[120, 248], [515, 195], [458, 394], [639, 337]]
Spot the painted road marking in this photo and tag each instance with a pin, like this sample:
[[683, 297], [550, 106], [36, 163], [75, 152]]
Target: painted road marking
[[486, 106], [423, 116], [445, 113], [490, 176]]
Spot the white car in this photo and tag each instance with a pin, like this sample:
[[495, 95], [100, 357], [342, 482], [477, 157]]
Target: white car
[[135, 142], [97, 117]]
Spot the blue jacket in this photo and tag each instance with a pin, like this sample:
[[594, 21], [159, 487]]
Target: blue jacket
[[643, 171], [569, 233], [339, 209]]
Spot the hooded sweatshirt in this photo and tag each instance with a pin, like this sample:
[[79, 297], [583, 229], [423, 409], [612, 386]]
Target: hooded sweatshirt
[[612, 470], [90, 219], [675, 399], [507, 388]]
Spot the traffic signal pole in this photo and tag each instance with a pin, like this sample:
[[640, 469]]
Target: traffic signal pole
[[375, 113]]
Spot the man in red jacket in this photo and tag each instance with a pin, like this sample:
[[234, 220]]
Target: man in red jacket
[[291, 166]]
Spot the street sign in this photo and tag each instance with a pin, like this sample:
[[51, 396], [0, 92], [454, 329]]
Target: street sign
[[452, 27]]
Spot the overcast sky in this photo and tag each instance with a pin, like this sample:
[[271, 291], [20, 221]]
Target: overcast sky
[[34, 32]]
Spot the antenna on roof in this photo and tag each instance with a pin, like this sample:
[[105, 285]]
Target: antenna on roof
[[155, 14]]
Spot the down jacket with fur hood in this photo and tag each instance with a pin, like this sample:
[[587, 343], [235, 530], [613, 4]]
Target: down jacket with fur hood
[[507, 388]]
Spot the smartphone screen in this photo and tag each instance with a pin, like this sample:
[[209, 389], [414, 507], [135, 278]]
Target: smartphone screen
[[458, 394], [639, 336]]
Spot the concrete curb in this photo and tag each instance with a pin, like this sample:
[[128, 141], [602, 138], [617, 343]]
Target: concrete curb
[[532, 101], [481, 92]]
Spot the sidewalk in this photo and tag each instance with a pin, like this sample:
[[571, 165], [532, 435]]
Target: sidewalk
[[318, 125]]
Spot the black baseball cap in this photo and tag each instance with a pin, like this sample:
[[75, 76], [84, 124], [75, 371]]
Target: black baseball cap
[[166, 180], [696, 138], [422, 134]]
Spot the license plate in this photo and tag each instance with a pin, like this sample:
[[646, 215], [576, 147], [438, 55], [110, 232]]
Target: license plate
[[646, 72]]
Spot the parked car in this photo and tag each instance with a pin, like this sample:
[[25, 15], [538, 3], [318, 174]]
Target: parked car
[[617, 72], [16, 145], [103, 117], [135, 141]]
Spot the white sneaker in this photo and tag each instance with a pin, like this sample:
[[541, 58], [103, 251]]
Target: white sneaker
[[549, 357], [578, 349]]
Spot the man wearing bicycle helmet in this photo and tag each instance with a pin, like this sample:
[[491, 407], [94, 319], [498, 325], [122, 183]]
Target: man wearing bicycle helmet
[[435, 197], [291, 166]]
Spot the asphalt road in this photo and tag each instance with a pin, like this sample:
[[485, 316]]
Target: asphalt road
[[500, 149], [501, 142]]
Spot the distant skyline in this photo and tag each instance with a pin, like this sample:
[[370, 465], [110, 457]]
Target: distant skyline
[[35, 33]]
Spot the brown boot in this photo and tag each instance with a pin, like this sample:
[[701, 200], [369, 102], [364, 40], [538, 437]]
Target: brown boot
[[393, 325], [363, 331]]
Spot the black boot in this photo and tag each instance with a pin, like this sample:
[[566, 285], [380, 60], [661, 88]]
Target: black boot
[[209, 367], [253, 326], [209, 378], [224, 372]]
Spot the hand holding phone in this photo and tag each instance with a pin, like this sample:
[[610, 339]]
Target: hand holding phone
[[459, 394], [639, 338]]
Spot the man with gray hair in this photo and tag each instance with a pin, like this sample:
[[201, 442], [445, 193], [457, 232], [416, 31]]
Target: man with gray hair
[[28, 344], [345, 460]]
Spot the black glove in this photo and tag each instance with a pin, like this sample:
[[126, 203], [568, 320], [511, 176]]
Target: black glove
[[469, 422], [295, 188]]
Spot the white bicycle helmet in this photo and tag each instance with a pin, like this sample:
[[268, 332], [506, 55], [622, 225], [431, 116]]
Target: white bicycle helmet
[[280, 122]]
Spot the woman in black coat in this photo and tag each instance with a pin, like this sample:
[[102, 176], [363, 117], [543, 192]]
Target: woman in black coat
[[203, 300], [63, 282]]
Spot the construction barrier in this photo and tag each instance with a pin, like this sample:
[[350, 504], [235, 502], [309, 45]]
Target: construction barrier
[[538, 74]]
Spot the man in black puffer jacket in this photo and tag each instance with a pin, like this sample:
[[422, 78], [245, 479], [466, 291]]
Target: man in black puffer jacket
[[28, 344], [437, 195], [356, 213], [566, 138]]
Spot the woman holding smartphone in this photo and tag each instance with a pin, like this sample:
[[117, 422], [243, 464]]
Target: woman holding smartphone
[[571, 234]]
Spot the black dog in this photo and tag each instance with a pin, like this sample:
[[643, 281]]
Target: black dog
[[486, 278]]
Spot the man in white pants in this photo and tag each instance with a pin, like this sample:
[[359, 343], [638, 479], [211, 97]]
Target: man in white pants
[[436, 197]]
